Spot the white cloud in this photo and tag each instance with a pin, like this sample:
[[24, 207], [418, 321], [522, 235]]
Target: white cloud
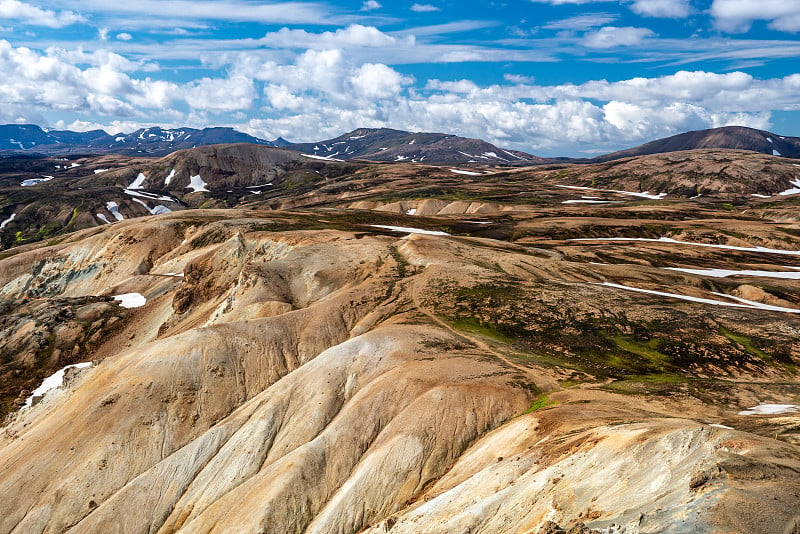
[[519, 79], [673, 9], [35, 16], [280, 97], [353, 36], [424, 8], [124, 36], [647, 8], [170, 11], [220, 94], [369, 5], [377, 81], [611, 36], [738, 15]]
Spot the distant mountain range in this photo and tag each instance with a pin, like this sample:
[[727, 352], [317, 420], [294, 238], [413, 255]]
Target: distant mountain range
[[29, 138], [373, 144]]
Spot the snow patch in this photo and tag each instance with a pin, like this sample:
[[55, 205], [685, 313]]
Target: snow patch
[[770, 409], [98, 171], [759, 196], [588, 202], [401, 158], [169, 177], [137, 183], [709, 245], [409, 230], [326, 158], [643, 194], [758, 305], [196, 184], [33, 181], [770, 140], [56, 380], [412, 211], [468, 173], [103, 218], [676, 296], [131, 300], [512, 155], [149, 196], [5, 222], [158, 210], [113, 209], [792, 191], [775, 153], [723, 273], [412, 141]]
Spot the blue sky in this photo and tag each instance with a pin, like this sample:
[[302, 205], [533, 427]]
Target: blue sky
[[550, 77]]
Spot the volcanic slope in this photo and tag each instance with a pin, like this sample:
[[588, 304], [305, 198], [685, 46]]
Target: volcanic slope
[[330, 371]]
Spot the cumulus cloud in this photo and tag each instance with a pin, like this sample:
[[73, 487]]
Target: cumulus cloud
[[737, 15], [35, 16], [353, 36], [221, 94], [124, 36], [673, 9], [611, 36], [369, 5]]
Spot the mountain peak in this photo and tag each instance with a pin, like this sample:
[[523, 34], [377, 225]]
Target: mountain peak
[[725, 137]]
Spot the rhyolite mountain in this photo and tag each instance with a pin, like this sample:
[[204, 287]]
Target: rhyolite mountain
[[386, 144], [17, 139], [731, 137]]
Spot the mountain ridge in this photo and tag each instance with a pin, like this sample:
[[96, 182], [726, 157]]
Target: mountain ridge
[[390, 145], [154, 141]]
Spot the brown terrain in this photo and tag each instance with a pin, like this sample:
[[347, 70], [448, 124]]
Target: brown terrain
[[533, 364]]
